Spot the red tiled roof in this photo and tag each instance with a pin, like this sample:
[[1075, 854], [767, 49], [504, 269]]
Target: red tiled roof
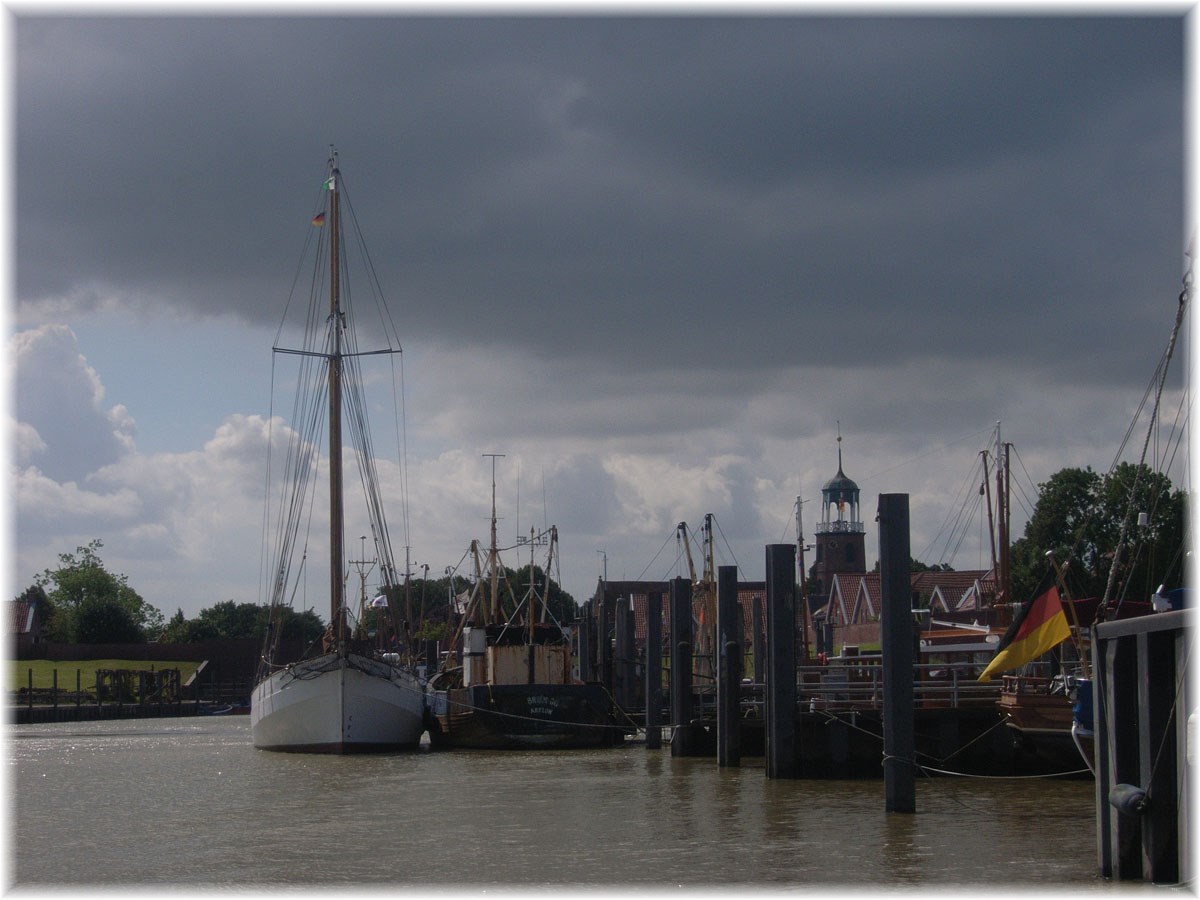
[[855, 598], [21, 617]]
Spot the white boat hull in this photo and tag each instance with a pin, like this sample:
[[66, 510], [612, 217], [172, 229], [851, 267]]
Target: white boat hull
[[335, 704]]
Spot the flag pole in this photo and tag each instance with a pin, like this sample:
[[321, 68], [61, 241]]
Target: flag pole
[[1077, 635]]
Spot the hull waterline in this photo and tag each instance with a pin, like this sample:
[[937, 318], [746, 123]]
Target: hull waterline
[[337, 704], [524, 717]]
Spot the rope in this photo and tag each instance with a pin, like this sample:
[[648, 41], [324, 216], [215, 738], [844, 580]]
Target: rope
[[1168, 732], [978, 737], [927, 769], [935, 769]]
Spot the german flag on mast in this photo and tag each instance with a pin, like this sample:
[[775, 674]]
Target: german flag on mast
[[1039, 627]]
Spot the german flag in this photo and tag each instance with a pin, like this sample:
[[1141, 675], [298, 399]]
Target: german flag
[[1039, 627], [319, 219]]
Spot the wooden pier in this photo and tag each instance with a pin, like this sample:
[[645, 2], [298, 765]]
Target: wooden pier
[[837, 705], [1143, 704]]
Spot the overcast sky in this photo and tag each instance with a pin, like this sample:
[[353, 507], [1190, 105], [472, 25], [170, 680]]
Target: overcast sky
[[654, 261]]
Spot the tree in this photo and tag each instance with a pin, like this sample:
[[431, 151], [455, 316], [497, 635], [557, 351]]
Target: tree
[[306, 625], [105, 620], [562, 605], [229, 620], [81, 580], [188, 631], [1079, 516]]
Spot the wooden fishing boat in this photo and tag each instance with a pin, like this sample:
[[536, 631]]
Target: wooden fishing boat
[[514, 688]]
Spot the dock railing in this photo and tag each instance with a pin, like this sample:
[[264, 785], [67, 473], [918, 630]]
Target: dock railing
[[858, 685]]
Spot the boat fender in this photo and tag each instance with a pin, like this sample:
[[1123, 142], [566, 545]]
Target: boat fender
[[1128, 799], [1193, 721]]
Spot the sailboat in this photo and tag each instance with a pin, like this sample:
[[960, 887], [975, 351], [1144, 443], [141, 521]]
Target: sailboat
[[345, 696], [1054, 714], [514, 688]]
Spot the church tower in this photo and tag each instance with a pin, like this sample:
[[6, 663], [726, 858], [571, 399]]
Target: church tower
[[840, 537]]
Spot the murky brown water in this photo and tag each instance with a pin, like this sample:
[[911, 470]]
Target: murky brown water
[[191, 802]]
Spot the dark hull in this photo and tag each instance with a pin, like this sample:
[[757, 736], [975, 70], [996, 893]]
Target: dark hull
[[848, 744], [524, 717], [1055, 747], [1040, 721]]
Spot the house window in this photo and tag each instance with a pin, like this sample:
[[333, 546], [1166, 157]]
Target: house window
[[849, 553]]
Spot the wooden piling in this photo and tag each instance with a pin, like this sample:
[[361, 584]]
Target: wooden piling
[[654, 670], [896, 632], [584, 642], [681, 667], [604, 642], [729, 668], [759, 642], [624, 656], [780, 736]]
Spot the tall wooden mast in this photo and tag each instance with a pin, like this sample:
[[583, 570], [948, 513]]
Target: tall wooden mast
[[336, 550]]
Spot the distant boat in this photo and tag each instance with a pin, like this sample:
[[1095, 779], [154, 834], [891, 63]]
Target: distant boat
[[347, 697], [514, 688]]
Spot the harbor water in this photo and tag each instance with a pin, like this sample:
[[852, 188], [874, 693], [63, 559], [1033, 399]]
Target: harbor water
[[189, 802]]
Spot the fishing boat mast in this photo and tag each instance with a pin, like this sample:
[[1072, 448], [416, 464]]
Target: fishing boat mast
[[493, 552]]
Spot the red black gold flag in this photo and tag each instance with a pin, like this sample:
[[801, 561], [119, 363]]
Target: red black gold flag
[[1039, 627], [319, 219]]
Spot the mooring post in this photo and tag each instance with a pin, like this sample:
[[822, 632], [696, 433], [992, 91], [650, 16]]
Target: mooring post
[[896, 631], [583, 642], [432, 657], [681, 666], [624, 652], [729, 668], [780, 736], [760, 642], [1157, 755], [1116, 688], [654, 670], [604, 656]]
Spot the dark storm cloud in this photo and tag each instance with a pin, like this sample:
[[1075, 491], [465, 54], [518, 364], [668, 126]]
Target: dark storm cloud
[[683, 192]]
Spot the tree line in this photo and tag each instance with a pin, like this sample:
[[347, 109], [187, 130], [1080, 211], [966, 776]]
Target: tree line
[[81, 602]]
